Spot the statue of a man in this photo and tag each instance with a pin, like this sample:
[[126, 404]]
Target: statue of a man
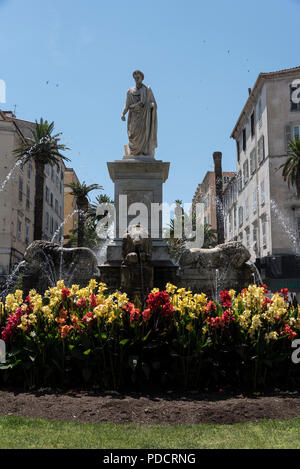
[[142, 118]]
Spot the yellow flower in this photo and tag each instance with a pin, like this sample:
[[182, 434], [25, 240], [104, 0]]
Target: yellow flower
[[60, 284], [271, 336], [190, 327], [102, 288], [93, 284], [74, 289], [171, 289]]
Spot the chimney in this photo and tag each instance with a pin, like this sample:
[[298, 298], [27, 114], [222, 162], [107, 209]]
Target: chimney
[[219, 196]]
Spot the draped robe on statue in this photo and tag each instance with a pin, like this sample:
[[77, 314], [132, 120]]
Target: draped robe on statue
[[142, 121]]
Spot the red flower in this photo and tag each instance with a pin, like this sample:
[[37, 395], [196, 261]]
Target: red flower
[[226, 299], [12, 323], [287, 330], [81, 303], [266, 290], [133, 311], [65, 293], [228, 317], [160, 302], [146, 314], [266, 301], [88, 318], [210, 307], [284, 292], [93, 300]]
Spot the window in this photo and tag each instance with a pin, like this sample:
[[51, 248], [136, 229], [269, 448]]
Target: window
[[246, 209], [252, 125], [234, 218], [254, 201], [253, 161], [262, 192], [60, 188], [264, 231], [240, 181], [296, 132], [47, 221], [28, 197], [51, 225], [238, 150], [52, 174], [298, 226], [254, 234], [27, 232], [244, 139], [246, 172], [294, 97], [230, 223], [19, 228], [259, 112], [56, 206], [240, 216], [247, 232], [29, 170], [47, 195], [20, 189], [48, 169], [51, 199], [261, 149]]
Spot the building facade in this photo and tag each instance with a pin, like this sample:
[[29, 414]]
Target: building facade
[[17, 195], [71, 219], [260, 209], [206, 194]]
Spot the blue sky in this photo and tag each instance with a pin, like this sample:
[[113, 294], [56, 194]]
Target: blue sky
[[199, 58]]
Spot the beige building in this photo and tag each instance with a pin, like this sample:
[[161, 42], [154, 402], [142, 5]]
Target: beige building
[[267, 212], [261, 211], [70, 203], [206, 194], [17, 195]]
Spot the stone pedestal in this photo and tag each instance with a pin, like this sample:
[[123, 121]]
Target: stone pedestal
[[138, 180]]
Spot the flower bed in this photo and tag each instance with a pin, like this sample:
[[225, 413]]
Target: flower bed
[[84, 337]]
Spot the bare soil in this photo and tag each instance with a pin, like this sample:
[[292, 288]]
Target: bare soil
[[84, 406]]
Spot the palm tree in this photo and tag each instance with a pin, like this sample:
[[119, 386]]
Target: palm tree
[[210, 236], [100, 199], [43, 148], [291, 168], [80, 192]]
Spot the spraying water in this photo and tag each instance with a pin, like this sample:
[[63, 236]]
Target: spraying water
[[286, 225]]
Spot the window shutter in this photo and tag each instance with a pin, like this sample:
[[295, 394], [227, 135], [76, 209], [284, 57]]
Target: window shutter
[[288, 136]]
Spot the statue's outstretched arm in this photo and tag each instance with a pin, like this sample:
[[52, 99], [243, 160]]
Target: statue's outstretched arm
[[126, 108]]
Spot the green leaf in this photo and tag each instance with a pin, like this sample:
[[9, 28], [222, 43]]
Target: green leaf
[[124, 341], [146, 336], [87, 352]]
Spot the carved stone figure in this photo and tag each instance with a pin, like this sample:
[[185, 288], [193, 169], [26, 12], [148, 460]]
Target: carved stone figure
[[45, 263], [137, 269], [233, 254], [224, 267], [142, 118], [136, 242]]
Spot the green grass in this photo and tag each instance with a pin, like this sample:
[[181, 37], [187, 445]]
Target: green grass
[[20, 432]]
